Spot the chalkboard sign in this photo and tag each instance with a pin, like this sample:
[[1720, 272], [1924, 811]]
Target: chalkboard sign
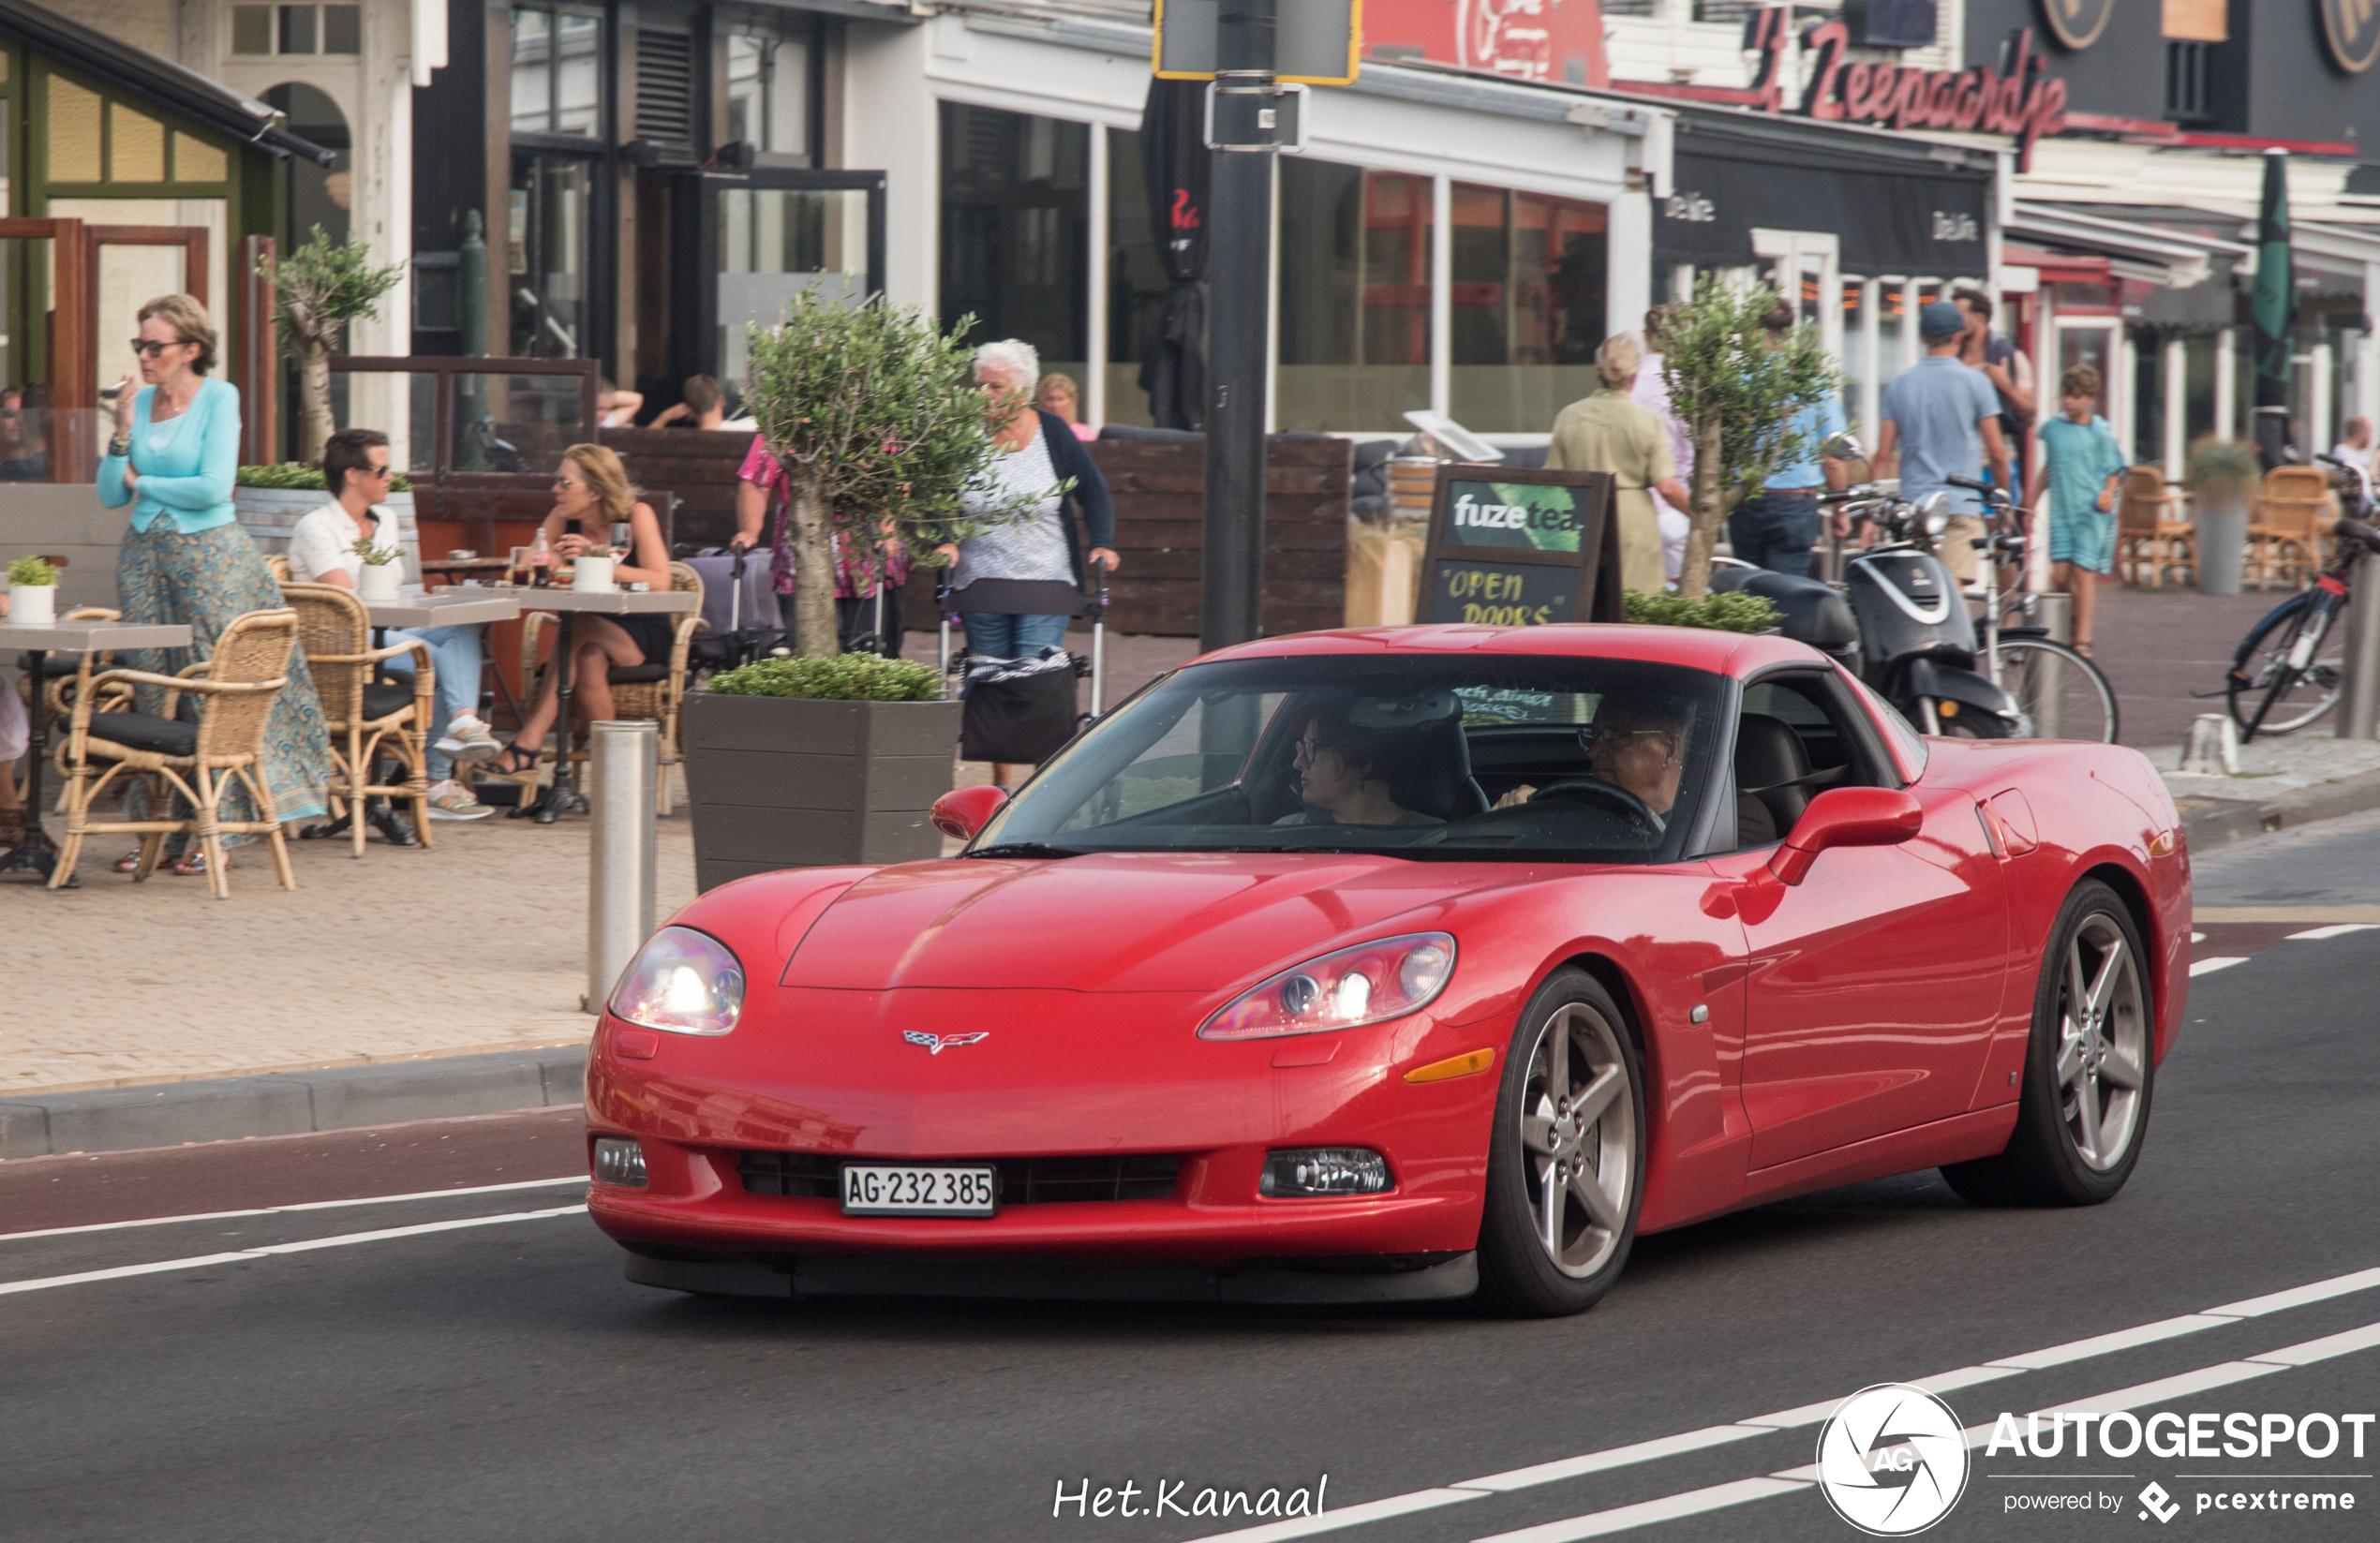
[[1510, 547]]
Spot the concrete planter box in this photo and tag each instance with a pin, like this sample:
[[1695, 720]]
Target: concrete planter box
[[780, 782], [269, 514]]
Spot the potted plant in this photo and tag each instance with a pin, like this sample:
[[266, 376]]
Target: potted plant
[[1729, 611], [381, 579], [1741, 399], [33, 591], [800, 763], [317, 291], [2220, 474], [269, 500]]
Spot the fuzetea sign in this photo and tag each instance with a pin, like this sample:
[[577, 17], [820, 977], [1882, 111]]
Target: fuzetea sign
[[2022, 100]]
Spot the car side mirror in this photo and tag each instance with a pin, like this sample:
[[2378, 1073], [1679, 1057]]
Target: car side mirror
[[964, 811], [1846, 817]]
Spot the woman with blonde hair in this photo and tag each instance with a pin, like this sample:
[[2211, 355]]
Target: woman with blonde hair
[[591, 494], [186, 562], [1610, 432], [1058, 394]]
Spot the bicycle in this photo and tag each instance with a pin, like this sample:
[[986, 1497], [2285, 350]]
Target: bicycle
[[2290, 665], [2062, 692]]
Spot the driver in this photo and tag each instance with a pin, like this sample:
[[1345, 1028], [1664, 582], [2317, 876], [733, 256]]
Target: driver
[[1344, 770], [1637, 744]]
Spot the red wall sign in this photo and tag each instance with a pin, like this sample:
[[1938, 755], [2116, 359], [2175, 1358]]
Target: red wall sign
[[2026, 103], [1557, 41]]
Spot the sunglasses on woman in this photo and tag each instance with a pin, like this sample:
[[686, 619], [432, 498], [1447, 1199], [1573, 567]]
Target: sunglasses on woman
[[149, 347]]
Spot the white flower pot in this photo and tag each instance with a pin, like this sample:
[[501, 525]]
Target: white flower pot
[[385, 582], [36, 603], [592, 575]]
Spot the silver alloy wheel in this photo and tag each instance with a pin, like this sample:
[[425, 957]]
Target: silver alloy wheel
[[1577, 1135], [2103, 1042]]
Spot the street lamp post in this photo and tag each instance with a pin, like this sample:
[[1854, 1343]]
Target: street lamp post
[[1240, 241]]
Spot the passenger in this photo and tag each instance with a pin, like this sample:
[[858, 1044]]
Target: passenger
[[1343, 771]]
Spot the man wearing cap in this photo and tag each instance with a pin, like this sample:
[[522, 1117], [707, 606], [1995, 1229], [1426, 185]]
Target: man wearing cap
[[1942, 420]]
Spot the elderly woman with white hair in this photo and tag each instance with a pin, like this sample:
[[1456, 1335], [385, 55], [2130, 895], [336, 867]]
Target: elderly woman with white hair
[[1039, 454], [1610, 432]]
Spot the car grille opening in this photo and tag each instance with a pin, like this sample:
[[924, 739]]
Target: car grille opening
[[1020, 1180]]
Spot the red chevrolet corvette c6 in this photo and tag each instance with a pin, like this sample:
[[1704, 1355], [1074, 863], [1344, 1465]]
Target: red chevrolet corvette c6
[[1401, 964]]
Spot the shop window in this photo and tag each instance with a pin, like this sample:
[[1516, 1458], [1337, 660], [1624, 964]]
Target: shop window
[[1354, 297], [2186, 97], [768, 93], [1015, 213], [251, 29], [74, 132], [1135, 281], [136, 145], [549, 226], [1527, 279], [297, 30], [557, 72]]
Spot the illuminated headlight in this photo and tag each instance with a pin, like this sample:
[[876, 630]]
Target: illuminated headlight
[[682, 982], [620, 1161], [1323, 1170], [1370, 983]]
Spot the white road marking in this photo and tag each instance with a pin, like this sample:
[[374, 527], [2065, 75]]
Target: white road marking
[[304, 1205], [2207, 967], [1696, 1501], [2197, 937], [268, 1250], [2340, 930], [1794, 1480]]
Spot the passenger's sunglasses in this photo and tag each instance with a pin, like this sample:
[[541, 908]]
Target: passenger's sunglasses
[[149, 347]]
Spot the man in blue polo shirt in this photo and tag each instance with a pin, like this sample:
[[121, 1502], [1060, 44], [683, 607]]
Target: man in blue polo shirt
[[1942, 420], [1776, 527]]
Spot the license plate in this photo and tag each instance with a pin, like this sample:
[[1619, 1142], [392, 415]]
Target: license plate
[[910, 1189]]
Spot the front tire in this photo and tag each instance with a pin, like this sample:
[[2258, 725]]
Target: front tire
[[1565, 1157], [2089, 1067]]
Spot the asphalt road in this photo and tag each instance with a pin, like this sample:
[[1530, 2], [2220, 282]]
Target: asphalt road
[[480, 1369]]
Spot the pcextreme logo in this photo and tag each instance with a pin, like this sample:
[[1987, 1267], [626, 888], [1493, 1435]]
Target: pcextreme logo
[[1892, 1459]]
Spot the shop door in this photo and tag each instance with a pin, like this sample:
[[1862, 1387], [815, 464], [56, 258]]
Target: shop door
[[130, 265], [758, 238], [1805, 267], [2098, 342]]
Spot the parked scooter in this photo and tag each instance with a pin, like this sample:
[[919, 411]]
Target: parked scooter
[[1899, 619]]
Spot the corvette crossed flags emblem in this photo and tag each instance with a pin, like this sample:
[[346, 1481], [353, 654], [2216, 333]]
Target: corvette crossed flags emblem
[[936, 1043]]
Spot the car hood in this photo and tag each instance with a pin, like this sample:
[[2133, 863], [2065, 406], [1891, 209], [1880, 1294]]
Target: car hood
[[1118, 921]]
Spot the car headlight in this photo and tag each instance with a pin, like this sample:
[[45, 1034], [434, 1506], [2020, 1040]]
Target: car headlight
[[682, 982], [1369, 983]]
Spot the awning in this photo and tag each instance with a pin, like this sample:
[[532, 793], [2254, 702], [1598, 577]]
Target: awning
[[1897, 205], [161, 81], [2154, 254]]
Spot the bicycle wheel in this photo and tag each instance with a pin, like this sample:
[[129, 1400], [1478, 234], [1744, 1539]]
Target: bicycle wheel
[[2262, 696], [2060, 691]]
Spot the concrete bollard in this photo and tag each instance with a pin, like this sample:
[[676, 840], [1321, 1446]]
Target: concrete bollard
[[2358, 714], [2213, 749], [623, 760]]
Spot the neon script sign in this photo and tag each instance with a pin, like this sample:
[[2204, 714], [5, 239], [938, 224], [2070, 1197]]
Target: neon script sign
[[2022, 101]]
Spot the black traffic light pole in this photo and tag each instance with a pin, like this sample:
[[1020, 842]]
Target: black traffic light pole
[[1239, 259]]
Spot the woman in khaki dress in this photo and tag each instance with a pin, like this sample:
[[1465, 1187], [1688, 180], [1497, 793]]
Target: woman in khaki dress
[[1609, 432]]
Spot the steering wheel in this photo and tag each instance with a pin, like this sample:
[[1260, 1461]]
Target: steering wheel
[[1635, 810]]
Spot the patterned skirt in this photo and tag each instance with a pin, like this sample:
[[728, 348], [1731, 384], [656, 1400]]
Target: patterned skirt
[[204, 579]]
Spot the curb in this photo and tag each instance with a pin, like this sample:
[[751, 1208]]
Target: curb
[[291, 1103], [2218, 822]]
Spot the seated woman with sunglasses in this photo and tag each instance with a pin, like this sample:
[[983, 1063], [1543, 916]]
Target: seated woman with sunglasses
[[1344, 770], [187, 562], [591, 494]]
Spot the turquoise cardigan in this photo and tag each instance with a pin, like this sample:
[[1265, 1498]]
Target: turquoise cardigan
[[186, 464]]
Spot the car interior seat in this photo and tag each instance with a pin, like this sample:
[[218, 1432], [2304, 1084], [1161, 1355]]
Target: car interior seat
[[1435, 779], [1772, 766]]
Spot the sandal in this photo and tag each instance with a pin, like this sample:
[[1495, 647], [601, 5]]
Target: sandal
[[513, 762], [2082, 648], [192, 864], [130, 862]]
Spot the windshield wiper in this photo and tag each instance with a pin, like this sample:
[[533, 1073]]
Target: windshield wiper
[[1023, 849]]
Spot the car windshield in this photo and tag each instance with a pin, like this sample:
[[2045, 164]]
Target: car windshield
[[1471, 757]]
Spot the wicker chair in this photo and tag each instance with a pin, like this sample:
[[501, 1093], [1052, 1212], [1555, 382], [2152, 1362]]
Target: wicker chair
[[654, 691], [236, 689], [368, 718], [2286, 525], [2150, 530], [278, 566]]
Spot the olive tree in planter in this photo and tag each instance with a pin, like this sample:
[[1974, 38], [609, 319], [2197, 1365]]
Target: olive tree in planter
[[801, 762], [872, 413], [1741, 396]]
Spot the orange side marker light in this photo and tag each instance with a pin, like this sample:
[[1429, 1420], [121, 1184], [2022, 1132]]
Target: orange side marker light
[[1453, 1066]]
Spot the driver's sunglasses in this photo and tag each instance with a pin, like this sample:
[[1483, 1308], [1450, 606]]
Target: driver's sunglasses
[[1671, 741], [149, 347]]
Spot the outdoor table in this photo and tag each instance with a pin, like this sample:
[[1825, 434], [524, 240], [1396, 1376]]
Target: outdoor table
[[41, 640], [452, 566], [561, 798]]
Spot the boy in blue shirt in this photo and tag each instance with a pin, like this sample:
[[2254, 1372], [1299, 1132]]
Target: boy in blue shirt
[[2082, 466]]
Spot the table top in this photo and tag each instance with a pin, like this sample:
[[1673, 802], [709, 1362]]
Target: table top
[[78, 637], [445, 608], [618, 603]]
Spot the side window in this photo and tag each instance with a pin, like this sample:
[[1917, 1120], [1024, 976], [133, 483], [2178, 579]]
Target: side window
[[1795, 738]]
